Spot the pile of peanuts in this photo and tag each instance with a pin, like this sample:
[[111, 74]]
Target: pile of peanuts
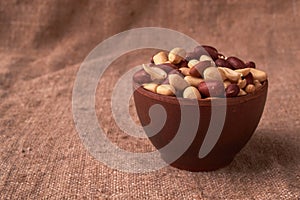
[[203, 73]]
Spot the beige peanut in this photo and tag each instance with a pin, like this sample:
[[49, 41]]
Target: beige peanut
[[176, 55], [242, 92], [205, 57], [244, 71], [191, 93], [192, 63], [177, 82], [212, 73], [230, 74], [165, 89], [259, 75], [185, 71], [155, 72], [250, 88], [160, 58], [193, 80], [242, 83], [150, 86], [257, 84]]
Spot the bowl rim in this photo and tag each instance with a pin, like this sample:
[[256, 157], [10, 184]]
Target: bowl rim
[[201, 102]]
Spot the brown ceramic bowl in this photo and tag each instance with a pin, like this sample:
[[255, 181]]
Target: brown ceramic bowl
[[242, 117]]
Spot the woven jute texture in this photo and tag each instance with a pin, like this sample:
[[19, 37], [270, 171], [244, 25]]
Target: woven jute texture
[[43, 43]]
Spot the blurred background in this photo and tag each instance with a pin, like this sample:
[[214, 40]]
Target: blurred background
[[42, 44]]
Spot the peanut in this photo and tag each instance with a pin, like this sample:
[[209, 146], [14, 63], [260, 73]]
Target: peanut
[[165, 89], [176, 55], [230, 74], [250, 88], [192, 63], [205, 57], [244, 71], [150, 86], [250, 64], [249, 78], [213, 52], [185, 71], [236, 63], [257, 84], [160, 58], [258, 74], [242, 93], [212, 73], [242, 83], [211, 88], [155, 72], [198, 69], [191, 93], [167, 67], [191, 55], [223, 63], [198, 51], [193, 80], [177, 82], [141, 77], [232, 90]]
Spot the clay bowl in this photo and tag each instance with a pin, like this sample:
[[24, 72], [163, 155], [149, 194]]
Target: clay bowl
[[241, 119]]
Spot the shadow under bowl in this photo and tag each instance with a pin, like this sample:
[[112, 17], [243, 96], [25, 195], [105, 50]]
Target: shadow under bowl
[[241, 119]]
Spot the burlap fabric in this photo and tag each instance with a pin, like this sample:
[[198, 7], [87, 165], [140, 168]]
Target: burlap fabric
[[42, 44]]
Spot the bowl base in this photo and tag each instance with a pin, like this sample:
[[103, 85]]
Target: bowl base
[[202, 167]]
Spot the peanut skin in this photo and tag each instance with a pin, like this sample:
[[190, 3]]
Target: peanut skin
[[211, 88]]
